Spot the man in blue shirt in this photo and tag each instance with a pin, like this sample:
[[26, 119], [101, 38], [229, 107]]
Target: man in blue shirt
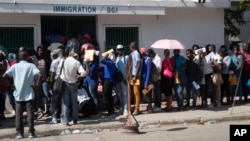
[[147, 70], [24, 74], [121, 62], [91, 81], [179, 68], [109, 71]]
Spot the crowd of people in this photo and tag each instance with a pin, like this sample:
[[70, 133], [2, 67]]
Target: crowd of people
[[29, 79]]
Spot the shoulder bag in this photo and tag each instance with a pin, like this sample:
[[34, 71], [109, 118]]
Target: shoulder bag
[[59, 83]]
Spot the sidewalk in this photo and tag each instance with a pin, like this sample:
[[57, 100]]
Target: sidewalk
[[218, 114]]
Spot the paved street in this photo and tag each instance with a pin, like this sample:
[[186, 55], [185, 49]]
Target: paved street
[[161, 119], [178, 132]]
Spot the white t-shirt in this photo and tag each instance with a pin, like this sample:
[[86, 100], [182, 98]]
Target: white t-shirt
[[54, 65], [157, 62], [226, 64], [70, 69], [135, 57]]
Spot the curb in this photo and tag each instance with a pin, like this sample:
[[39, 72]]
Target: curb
[[117, 126]]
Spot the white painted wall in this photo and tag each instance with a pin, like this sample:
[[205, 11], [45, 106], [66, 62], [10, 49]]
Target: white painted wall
[[23, 19], [189, 25]]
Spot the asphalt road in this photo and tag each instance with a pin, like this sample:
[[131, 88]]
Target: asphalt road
[[182, 132]]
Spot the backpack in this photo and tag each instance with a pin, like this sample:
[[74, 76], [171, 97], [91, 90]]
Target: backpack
[[118, 76], [155, 74]]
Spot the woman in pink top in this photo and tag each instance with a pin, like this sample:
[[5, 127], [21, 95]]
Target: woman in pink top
[[167, 78]]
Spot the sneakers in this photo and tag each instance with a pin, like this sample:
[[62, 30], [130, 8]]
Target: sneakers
[[125, 112], [136, 112], [149, 111], [19, 136], [65, 124], [40, 114], [53, 121], [31, 135], [13, 112], [156, 109]]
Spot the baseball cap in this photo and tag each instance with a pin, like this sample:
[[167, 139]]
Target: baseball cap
[[56, 51], [119, 46]]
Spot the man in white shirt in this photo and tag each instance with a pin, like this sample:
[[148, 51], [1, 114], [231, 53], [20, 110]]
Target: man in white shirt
[[72, 73], [56, 97]]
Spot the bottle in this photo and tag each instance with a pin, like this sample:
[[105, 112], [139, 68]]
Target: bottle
[[212, 121]]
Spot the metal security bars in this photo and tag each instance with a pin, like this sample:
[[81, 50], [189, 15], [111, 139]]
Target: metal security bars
[[121, 35], [11, 38], [66, 25]]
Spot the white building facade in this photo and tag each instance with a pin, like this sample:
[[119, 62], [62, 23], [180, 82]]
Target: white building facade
[[25, 22]]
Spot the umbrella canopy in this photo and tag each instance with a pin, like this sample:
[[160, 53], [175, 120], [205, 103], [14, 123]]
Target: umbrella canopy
[[168, 44]]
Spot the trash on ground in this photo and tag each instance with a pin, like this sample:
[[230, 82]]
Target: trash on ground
[[212, 121], [98, 130], [87, 131], [66, 132], [76, 132]]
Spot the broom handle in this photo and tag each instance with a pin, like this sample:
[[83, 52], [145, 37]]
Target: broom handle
[[237, 88]]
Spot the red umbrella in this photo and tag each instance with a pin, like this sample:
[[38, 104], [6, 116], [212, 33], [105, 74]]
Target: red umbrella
[[168, 44]]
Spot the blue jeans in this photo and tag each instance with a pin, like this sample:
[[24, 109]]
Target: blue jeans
[[92, 89], [121, 88], [69, 100], [11, 99], [46, 93], [209, 88], [191, 89], [178, 88], [42, 91], [157, 91]]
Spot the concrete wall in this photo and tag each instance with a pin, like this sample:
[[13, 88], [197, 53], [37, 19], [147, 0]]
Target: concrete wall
[[23, 20], [189, 25]]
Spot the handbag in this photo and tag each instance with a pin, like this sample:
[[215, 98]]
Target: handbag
[[233, 80], [59, 83], [217, 79]]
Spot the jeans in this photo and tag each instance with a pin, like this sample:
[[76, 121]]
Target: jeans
[[191, 89], [209, 88], [244, 78], [92, 89], [107, 95], [178, 88], [69, 100], [42, 91], [11, 99], [46, 93], [157, 92], [56, 101], [121, 88], [20, 106]]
